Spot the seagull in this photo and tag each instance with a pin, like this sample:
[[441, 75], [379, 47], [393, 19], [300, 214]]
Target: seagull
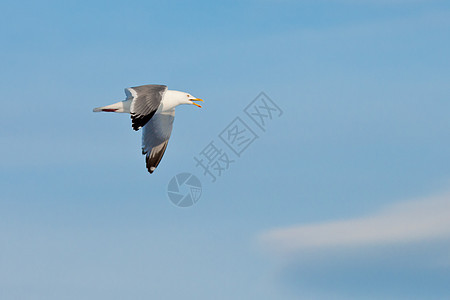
[[152, 108]]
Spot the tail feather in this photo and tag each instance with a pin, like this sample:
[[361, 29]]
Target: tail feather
[[119, 107]]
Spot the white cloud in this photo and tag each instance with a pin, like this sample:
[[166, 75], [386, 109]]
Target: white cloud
[[415, 221]]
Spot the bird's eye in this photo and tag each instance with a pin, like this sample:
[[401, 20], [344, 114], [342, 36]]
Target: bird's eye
[[187, 95]]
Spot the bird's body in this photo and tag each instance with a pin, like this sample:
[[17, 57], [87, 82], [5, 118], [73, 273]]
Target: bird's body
[[152, 108]]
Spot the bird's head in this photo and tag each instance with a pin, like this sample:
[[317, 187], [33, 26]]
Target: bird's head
[[192, 100], [183, 98]]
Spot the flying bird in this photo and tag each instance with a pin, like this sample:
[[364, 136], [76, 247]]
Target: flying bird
[[152, 108]]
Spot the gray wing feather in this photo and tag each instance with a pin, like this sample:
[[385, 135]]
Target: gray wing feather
[[146, 100], [155, 136]]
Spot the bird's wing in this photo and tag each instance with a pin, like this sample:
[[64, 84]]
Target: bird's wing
[[155, 136], [146, 100]]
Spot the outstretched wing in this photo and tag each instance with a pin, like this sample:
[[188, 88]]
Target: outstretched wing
[[155, 136], [146, 100]]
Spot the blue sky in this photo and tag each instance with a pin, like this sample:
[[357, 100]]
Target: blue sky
[[345, 196]]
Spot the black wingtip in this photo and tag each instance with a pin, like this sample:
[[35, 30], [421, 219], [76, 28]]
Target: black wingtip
[[153, 158], [149, 163], [138, 121]]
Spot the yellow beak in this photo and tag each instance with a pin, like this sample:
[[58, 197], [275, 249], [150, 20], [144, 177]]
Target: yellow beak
[[196, 99]]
